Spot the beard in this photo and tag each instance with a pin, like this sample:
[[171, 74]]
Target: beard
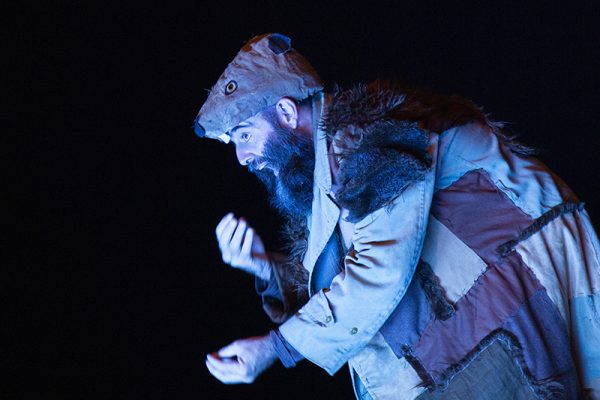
[[292, 156]]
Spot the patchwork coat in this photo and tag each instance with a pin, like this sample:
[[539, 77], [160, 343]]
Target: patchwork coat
[[469, 270]]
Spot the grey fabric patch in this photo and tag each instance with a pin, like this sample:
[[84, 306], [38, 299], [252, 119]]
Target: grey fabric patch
[[492, 375]]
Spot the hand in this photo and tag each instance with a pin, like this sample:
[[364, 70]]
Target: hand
[[243, 360], [242, 248]]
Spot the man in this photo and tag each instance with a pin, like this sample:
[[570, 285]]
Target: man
[[428, 250]]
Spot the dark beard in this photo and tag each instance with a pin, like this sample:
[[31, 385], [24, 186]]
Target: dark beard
[[292, 154]]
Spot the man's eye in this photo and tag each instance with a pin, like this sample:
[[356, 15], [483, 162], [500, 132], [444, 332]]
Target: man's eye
[[245, 136]]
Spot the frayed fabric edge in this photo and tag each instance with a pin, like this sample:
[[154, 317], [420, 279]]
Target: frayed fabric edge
[[538, 224], [546, 390], [441, 306]]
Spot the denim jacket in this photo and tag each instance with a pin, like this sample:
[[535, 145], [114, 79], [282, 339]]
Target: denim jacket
[[341, 324]]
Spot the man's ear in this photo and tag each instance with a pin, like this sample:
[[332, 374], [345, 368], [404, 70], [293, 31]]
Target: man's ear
[[287, 112]]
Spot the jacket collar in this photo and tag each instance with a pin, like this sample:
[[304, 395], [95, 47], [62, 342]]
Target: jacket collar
[[322, 169]]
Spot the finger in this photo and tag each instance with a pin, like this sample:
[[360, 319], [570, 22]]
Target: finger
[[246, 251], [236, 240], [223, 375], [228, 230], [227, 252], [231, 350], [257, 244], [222, 223], [225, 366], [221, 362]]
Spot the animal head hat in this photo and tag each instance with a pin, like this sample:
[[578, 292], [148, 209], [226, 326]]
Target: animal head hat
[[266, 69]]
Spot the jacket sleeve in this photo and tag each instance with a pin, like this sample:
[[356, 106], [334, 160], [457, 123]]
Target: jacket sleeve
[[281, 295], [338, 322], [272, 299]]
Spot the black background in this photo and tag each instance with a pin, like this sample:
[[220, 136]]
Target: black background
[[118, 286]]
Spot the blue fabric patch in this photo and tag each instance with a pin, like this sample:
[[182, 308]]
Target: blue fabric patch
[[406, 323], [586, 333], [542, 334], [328, 265]]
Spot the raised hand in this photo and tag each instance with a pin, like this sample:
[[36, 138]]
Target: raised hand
[[243, 360], [241, 247]]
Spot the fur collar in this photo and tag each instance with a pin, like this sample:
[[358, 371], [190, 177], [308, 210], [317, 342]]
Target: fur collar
[[383, 129]]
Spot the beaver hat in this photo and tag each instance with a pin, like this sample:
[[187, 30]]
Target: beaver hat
[[266, 69]]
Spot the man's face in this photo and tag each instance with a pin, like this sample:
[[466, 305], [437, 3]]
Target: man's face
[[249, 138], [280, 157]]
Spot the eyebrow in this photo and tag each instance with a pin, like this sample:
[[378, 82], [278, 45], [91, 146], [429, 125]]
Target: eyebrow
[[240, 126]]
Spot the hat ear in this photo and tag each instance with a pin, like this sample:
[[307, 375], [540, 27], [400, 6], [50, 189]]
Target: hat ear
[[279, 43]]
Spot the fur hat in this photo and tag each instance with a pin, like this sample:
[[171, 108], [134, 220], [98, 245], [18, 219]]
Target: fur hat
[[266, 69]]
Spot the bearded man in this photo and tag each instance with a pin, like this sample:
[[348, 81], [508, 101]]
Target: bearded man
[[428, 250]]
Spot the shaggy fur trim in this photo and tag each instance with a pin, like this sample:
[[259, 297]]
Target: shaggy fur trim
[[391, 156], [434, 291], [365, 103], [290, 274], [294, 277], [380, 155]]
